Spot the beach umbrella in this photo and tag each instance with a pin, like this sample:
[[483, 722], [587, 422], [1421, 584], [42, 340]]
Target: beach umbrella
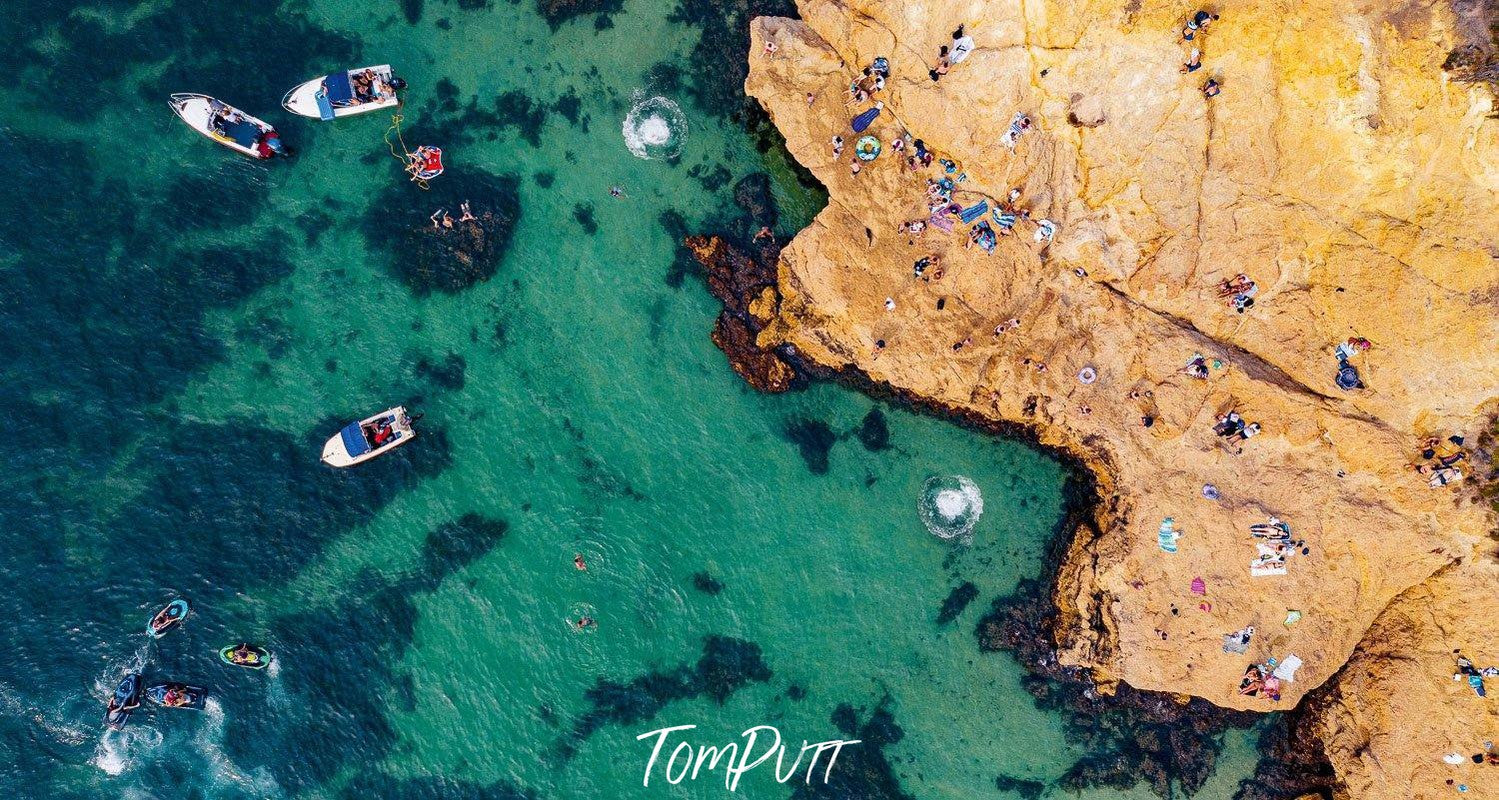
[[865, 118]]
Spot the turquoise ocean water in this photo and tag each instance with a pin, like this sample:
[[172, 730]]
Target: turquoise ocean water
[[186, 326]]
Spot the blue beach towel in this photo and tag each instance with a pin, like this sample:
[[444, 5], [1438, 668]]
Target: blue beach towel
[[340, 91], [864, 119], [973, 212], [1005, 219], [1168, 535]]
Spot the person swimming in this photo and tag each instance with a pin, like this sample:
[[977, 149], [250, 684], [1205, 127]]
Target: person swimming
[[579, 563]]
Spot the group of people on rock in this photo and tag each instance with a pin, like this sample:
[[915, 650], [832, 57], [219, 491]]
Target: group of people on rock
[[951, 53], [1239, 292], [870, 82], [1274, 544], [1233, 430], [442, 220], [1439, 460], [1191, 35], [1197, 366], [1260, 678]]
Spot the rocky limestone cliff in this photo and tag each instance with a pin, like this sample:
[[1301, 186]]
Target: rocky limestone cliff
[[1341, 170]]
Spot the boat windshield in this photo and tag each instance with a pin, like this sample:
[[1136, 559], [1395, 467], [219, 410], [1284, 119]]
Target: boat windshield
[[381, 432]]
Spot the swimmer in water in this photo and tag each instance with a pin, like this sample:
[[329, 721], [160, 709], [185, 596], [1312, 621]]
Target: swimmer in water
[[615, 191], [585, 623], [579, 563]]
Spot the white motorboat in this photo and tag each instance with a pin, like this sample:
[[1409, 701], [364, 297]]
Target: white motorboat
[[361, 441], [345, 93], [228, 125]]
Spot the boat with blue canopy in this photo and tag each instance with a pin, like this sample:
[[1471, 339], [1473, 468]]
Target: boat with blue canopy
[[361, 441], [345, 93]]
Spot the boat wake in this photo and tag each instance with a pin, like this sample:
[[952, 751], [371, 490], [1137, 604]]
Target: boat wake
[[950, 505], [60, 730], [119, 751], [655, 128], [210, 742]]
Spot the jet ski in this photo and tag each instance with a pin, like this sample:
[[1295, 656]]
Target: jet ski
[[127, 698], [167, 618], [245, 655], [178, 695], [228, 126], [361, 441]]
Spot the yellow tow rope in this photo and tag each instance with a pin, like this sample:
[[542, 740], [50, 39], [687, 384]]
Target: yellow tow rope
[[395, 125]]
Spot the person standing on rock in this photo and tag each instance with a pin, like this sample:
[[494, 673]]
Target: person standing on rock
[[1197, 22]]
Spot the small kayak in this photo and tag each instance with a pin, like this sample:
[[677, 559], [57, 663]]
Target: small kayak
[[178, 695], [245, 655], [127, 698], [345, 93], [361, 441], [167, 618], [228, 125]]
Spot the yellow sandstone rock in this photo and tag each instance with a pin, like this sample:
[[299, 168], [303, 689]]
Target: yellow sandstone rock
[[1341, 171]]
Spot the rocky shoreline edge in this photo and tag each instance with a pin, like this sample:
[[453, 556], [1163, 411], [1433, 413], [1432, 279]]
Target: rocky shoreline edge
[[1167, 741]]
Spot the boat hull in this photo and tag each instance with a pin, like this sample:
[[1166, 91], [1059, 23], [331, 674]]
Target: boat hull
[[303, 99]]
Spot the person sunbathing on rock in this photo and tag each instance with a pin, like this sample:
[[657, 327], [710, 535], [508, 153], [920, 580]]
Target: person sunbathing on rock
[[1229, 423], [1253, 682], [1244, 433]]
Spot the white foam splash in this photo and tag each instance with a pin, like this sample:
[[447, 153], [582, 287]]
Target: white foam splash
[[210, 742], [118, 751], [64, 731], [950, 506], [655, 128]]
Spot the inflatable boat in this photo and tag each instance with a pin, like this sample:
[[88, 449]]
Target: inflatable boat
[[248, 656]]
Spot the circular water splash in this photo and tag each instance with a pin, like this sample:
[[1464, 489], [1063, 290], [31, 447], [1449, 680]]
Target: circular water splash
[[655, 128], [582, 611], [950, 506]]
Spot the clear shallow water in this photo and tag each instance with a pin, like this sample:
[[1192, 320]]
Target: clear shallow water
[[188, 326]]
